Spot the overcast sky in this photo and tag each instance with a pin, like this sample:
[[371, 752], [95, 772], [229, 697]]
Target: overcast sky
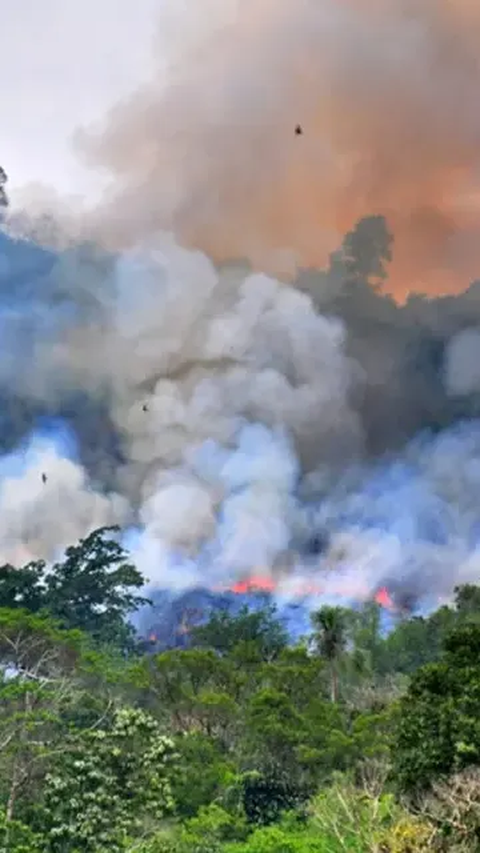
[[63, 63]]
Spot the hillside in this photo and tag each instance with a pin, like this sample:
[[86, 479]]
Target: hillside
[[352, 739]]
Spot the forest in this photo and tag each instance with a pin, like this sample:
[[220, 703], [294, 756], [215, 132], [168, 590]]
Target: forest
[[351, 739]]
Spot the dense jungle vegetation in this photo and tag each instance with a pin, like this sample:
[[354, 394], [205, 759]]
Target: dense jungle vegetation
[[351, 740]]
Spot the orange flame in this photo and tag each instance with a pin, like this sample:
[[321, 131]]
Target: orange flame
[[256, 583], [384, 598], [301, 589]]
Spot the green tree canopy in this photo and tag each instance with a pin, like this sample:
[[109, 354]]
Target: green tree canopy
[[94, 588], [439, 723], [260, 628]]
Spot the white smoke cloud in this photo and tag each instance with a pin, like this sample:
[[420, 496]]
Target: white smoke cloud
[[50, 505], [232, 395], [234, 400], [219, 381], [410, 521]]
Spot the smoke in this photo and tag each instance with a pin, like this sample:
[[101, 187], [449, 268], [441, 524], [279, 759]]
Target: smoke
[[463, 363], [306, 428], [409, 522], [316, 434], [40, 513], [386, 94]]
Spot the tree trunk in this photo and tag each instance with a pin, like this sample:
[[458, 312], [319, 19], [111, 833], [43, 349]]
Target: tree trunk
[[17, 775], [334, 683], [12, 796]]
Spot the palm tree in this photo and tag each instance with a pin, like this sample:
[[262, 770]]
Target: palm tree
[[330, 638]]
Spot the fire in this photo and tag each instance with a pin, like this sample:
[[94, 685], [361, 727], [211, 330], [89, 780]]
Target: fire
[[256, 583], [384, 598], [304, 588]]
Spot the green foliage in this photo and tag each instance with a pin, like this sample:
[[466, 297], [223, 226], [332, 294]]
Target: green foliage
[[418, 641], [106, 783], [349, 819], [22, 587], [212, 826], [265, 797], [439, 726], [223, 632], [204, 774], [16, 837], [273, 731], [330, 638], [92, 589], [38, 661], [190, 688], [233, 745]]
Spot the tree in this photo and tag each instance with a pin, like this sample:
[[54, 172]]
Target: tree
[[417, 641], [367, 640], [210, 829], [298, 674], [109, 783], [261, 628], [92, 588], [330, 639], [22, 587], [204, 772], [367, 249], [454, 808], [273, 731], [439, 727], [361, 261], [181, 685], [37, 661], [467, 602]]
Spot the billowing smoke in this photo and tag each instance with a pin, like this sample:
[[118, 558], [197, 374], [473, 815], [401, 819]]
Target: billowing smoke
[[314, 435], [386, 94], [303, 432]]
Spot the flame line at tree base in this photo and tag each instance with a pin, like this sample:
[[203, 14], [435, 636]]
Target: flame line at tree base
[[303, 589]]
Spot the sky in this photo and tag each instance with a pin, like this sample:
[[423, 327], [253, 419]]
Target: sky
[[63, 63], [190, 108]]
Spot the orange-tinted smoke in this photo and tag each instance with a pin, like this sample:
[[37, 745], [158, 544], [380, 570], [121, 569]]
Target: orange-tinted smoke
[[387, 95]]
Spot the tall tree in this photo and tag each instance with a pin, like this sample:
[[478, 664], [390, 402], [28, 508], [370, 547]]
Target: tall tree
[[37, 662], [439, 729], [261, 628], [94, 588], [109, 784], [330, 638]]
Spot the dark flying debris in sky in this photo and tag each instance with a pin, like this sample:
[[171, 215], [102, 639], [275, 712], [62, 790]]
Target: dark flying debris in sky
[[318, 544], [299, 130], [44, 478], [145, 407], [3, 194]]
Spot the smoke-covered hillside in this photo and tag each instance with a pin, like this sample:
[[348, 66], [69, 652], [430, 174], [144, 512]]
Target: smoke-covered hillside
[[310, 430], [317, 434]]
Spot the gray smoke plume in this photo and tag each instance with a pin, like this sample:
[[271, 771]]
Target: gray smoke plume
[[309, 430], [227, 420]]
